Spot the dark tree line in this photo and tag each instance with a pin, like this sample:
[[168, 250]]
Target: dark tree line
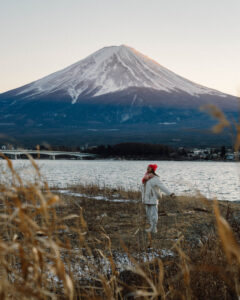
[[126, 150], [132, 149]]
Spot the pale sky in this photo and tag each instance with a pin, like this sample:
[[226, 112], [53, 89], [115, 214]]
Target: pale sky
[[197, 39]]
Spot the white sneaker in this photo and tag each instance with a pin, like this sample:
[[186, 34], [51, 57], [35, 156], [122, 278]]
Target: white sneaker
[[154, 230]]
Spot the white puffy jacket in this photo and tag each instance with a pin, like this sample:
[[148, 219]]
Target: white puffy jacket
[[152, 190]]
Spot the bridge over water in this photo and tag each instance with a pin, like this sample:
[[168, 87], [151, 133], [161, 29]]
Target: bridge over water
[[14, 154]]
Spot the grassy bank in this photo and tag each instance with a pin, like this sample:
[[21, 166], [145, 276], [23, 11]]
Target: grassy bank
[[88, 242]]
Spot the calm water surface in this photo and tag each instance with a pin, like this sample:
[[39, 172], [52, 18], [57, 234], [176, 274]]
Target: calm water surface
[[213, 179]]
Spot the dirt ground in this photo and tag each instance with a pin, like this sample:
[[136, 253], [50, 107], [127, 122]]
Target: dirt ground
[[181, 218]]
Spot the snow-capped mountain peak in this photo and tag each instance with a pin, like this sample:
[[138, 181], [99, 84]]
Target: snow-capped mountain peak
[[113, 69]]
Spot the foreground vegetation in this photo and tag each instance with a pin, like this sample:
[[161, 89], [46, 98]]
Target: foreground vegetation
[[87, 242]]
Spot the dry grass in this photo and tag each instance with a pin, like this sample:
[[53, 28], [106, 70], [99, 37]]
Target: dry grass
[[106, 191], [55, 246]]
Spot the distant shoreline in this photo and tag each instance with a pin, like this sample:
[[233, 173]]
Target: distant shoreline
[[132, 159]]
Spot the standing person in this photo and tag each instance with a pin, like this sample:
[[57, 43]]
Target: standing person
[[151, 192]]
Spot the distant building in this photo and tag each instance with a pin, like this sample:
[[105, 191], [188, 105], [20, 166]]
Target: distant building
[[230, 156]]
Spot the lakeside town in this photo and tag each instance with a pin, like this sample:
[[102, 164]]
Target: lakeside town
[[139, 151]]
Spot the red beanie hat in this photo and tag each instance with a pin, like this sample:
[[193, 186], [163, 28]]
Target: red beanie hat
[[154, 167]]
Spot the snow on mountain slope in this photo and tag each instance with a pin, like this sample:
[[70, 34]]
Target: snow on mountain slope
[[113, 69]]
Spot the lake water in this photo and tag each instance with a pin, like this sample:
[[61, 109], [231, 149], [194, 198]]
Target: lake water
[[213, 179]]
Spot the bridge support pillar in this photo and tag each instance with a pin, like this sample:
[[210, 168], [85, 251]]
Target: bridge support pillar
[[15, 156], [53, 157]]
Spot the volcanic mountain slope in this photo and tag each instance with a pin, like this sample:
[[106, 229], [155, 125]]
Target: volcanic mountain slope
[[116, 89]]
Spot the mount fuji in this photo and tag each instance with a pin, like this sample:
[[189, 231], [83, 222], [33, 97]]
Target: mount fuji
[[115, 94]]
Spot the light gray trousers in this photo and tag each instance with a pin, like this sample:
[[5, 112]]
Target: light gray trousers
[[152, 215]]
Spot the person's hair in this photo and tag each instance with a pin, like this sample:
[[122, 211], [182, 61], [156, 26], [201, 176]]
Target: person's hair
[[153, 172]]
